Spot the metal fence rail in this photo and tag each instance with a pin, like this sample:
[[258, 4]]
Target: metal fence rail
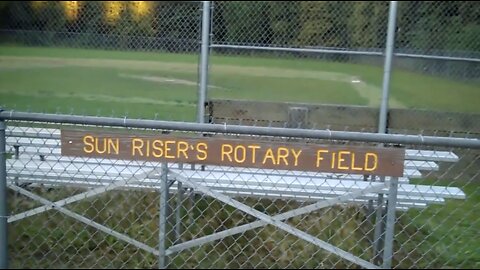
[[246, 130]]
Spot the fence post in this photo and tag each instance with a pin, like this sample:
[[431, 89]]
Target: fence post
[[162, 231], [3, 199], [390, 227], [203, 86], [382, 125]]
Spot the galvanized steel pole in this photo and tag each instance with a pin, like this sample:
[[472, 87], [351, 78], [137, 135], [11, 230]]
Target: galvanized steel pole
[[378, 231], [162, 219], [3, 199], [202, 90], [382, 128], [390, 227], [382, 125]]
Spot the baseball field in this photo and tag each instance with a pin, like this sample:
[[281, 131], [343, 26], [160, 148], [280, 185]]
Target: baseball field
[[164, 86]]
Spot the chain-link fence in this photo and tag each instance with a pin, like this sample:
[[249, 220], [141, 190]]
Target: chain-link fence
[[112, 58], [102, 212], [117, 25], [333, 52], [305, 66]]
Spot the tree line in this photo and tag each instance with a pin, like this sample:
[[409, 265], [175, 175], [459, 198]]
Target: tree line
[[175, 25], [442, 25]]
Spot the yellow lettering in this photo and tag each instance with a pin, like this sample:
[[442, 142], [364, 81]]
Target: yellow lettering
[[97, 148], [243, 154], [225, 153], [333, 160], [375, 161], [269, 155], [282, 156], [340, 159], [319, 157], [182, 147], [296, 155], [148, 148], [137, 147], [168, 149], [353, 164], [87, 140], [253, 147], [202, 151], [157, 150], [113, 144]]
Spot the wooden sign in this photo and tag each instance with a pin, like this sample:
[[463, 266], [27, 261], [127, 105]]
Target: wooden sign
[[235, 152]]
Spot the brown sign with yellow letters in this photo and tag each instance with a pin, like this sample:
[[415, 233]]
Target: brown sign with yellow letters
[[235, 152]]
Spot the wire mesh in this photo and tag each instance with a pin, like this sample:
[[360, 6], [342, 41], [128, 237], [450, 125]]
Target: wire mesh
[[105, 211], [301, 65]]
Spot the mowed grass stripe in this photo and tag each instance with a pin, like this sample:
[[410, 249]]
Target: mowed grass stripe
[[83, 80]]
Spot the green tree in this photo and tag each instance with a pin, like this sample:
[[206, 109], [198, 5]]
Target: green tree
[[464, 32], [407, 17], [440, 25], [247, 22], [284, 22], [177, 25], [368, 24], [18, 15], [132, 31], [324, 24]]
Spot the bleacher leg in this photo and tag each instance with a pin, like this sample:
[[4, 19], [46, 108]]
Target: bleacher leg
[[369, 210], [378, 233], [162, 258], [390, 227], [178, 210]]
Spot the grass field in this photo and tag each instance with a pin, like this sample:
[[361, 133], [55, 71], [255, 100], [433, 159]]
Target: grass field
[[445, 234], [440, 236], [148, 85]]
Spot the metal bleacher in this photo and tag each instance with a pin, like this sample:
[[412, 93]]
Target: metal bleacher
[[36, 160]]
